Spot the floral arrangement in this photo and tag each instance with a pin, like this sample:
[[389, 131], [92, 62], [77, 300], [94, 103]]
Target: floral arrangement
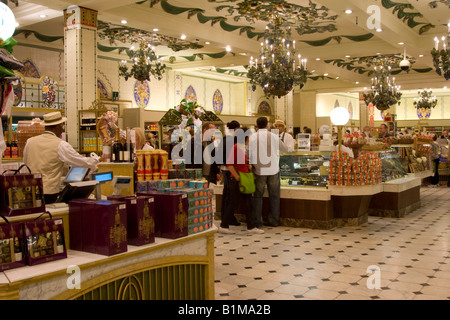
[[190, 113], [107, 124], [425, 100], [48, 93]]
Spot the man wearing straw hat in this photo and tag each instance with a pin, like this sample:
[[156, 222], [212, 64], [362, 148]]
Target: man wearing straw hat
[[284, 136], [49, 155]]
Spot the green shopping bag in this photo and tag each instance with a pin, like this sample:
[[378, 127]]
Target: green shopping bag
[[247, 183]]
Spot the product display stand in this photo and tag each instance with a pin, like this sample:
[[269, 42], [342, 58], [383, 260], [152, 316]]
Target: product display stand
[[180, 269]]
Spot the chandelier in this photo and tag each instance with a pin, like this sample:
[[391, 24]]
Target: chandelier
[[425, 100], [441, 57], [277, 70], [142, 64], [383, 92]]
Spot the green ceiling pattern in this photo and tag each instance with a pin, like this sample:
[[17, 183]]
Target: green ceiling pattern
[[407, 16]]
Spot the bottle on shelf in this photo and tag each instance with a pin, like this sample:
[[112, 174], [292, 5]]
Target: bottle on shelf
[[14, 146], [7, 153], [117, 155], [125, 149]]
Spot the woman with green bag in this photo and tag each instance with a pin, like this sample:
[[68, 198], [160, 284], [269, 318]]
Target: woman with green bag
[[242, 184]]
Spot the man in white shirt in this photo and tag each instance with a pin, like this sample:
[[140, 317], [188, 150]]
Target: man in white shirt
[[264, 149], [49, 155], [284, 136]]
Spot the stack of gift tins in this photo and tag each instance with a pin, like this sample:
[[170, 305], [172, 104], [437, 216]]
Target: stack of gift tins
[[152, 165], [199, 198]]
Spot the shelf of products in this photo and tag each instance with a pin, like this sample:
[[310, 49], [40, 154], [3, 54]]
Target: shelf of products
[[89, 140], [151, 130]]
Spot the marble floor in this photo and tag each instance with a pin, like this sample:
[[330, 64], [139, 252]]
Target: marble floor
[[387, 258]]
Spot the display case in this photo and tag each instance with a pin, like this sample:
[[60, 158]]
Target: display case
[[392, 165], [305, 169]]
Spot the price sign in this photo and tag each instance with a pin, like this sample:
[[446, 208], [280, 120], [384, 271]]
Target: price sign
[[304, 142]]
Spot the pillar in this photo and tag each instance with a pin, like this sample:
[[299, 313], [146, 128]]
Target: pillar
[[80, 48]]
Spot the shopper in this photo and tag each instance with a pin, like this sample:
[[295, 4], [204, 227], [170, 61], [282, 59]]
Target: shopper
[[366, 132], [237, 162], [225, 148], [264, 156], [211, 171], [383, 131], [284, 136], [48, 155], [141, 144], [445, 135], [435, 157]]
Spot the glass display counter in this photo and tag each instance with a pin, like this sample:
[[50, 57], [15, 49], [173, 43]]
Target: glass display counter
[[392, 165], [305, 169]]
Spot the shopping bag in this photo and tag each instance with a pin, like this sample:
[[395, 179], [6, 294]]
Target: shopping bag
[[246, 183], [12, 249], [21, 193], [44, 240]]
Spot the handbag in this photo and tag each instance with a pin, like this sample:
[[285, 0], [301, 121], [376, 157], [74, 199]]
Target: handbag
[[246, 183]]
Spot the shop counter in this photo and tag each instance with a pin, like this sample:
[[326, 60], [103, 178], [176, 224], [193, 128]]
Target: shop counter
[[337, 206], [118, 169], [399, 196], [180, 269], [316, 208]]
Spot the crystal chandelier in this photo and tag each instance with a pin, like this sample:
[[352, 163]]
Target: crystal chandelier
[[425, 100], [278, 68], [441, 57], [383, 92], [142, 64]]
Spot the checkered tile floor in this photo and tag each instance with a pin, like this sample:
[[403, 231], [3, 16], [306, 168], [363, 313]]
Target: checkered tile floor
[[412, 254]]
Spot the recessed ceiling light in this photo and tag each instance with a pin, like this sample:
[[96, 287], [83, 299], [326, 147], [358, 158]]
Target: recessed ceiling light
[[228, 48], [317, 59], [420, 55], [357, 82], [124, 21], [207, 42], [325, 74], [379, 30], [337, 78], [347, 56], [155, 29], [183, 37], [43, 15], [401, 43], [348, 11]]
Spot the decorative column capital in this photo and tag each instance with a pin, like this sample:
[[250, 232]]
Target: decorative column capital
[[77, 17]]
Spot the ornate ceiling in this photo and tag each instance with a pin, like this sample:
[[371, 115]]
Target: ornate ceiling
[[339, 47]]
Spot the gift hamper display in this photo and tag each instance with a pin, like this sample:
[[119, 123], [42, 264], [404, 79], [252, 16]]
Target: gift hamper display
[[98, 226], [198, 196], [44, 240], [140, 218], [21, 193], [12, 249]]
